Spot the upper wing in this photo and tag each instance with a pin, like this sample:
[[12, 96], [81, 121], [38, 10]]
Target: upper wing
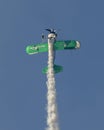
[[33, 49], [58, 45], [69, 44]]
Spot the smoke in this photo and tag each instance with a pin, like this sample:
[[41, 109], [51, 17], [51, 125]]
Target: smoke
[[52, 115]]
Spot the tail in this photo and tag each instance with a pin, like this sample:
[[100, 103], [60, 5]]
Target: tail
[[57, 69]]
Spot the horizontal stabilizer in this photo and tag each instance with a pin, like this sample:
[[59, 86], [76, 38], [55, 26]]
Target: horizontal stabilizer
[[57, 69]]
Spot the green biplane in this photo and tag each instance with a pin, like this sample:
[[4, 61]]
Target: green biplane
[[58, 45]]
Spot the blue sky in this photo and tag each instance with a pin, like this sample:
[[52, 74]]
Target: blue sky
[[80, 87]]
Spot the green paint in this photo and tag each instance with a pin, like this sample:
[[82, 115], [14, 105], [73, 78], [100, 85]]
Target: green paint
[[57, 69], [33, 49], [43, 47]]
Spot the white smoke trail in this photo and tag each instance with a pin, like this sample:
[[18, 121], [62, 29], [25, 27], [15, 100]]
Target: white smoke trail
[[52, 117]]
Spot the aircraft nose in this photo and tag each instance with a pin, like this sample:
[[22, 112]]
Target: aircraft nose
[[77, 44]]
